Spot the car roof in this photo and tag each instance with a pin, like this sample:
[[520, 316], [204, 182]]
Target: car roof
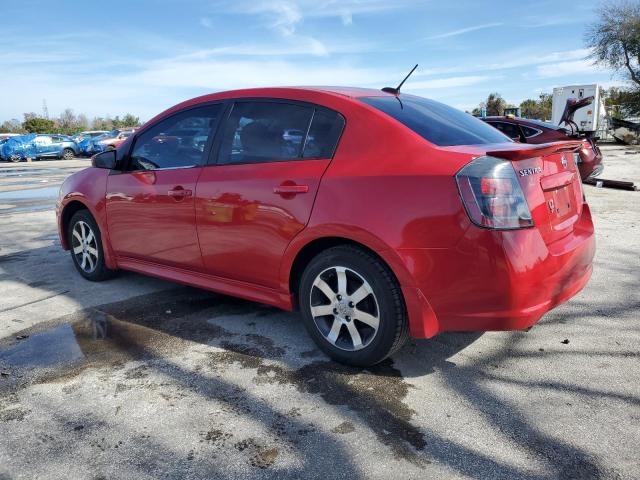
[[301, 92], [350, 92]]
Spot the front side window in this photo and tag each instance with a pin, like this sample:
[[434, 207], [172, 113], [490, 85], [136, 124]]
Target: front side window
[[436, 122], [176, 142], [258, 132]]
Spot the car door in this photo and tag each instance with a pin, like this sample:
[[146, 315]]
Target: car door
[[259, 193], [44, 145], [150, 204]]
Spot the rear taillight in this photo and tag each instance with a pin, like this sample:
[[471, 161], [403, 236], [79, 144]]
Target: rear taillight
[[492, 195]]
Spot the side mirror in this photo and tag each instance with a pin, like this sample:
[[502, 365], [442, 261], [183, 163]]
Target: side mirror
[[107, 159]]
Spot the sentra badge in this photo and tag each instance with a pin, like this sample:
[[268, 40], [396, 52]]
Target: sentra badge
[[530, 171]]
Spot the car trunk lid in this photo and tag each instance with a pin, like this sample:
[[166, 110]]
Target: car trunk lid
[[551, 183], [549, 178]]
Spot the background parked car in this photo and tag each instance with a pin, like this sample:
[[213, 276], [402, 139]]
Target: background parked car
[[527, 130], [107, 141], [111, 143], [88, 134], [38, 146], [4, 136]]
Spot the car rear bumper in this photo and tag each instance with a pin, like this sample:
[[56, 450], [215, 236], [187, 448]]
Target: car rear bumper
[[590, 163], [497, 280]]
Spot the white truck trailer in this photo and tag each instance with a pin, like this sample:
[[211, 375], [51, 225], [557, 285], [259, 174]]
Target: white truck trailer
[[588, 118]]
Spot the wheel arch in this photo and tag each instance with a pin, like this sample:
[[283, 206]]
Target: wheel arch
[[65, 217], [297, 261], [423, 322], [68, 209]]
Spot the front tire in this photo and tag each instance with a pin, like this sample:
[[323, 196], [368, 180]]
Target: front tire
[[14, 158], [352, 306], [68, 154], [85, 245]]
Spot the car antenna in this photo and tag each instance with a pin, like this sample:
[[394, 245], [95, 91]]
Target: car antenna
[[396, 90]]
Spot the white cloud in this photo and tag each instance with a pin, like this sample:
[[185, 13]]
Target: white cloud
[[561, 69], [455, 33], [285, 15], [206, 22], [287, 47], [508, 60], [450, 82]]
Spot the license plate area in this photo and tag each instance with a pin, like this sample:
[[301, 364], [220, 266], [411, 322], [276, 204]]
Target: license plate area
[[560, 203]]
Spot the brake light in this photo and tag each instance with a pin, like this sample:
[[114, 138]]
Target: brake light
[[492, 195], [495, 186]]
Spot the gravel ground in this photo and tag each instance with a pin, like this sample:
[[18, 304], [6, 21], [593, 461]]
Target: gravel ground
[[141, 378]]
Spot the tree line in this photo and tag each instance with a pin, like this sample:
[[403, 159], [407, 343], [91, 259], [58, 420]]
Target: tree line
[[68, 123], [495, 105]]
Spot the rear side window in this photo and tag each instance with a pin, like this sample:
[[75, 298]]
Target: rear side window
[[530, 132], [258, 132], [324, 134], [438, 123], [178, 141], [509, 129]]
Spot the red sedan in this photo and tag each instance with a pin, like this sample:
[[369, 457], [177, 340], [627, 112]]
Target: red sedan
[[527, 130], [389, 216]]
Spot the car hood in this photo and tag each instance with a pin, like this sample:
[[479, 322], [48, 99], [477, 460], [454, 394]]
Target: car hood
[[572, 106]]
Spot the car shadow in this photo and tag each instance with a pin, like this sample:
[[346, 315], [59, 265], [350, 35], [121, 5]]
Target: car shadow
[[273, 348]]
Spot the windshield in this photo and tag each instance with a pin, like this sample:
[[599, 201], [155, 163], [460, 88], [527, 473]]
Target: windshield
[[436, 122]]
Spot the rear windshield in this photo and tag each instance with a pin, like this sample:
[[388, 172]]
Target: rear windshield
[[544, 124], [436, 122]]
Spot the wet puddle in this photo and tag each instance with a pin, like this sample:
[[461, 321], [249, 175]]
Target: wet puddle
[[41, 350], [40, 207], [28, 200], [29, 172], [30, 194], [147, 326], [156, 327]]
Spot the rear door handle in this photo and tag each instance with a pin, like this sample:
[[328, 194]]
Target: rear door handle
[[291, 189], [179, 193]]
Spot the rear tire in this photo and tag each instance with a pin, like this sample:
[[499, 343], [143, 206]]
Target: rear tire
[[352, 306], [68, 154], [14, 158], [85, 245]]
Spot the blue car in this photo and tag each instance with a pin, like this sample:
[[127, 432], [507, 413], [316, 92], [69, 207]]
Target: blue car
[[38, 146], [90, 145], [89, 134], [104, 142]]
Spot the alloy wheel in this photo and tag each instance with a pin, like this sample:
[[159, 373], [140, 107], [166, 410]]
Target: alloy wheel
[[84, 246], [344, 308]]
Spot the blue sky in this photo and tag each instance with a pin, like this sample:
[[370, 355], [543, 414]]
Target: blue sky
[[142, 56]]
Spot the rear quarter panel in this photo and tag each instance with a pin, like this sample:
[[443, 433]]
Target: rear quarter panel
[[388, 189]]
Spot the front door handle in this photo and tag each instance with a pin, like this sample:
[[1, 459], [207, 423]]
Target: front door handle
[[179, 193], [290, 189]]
